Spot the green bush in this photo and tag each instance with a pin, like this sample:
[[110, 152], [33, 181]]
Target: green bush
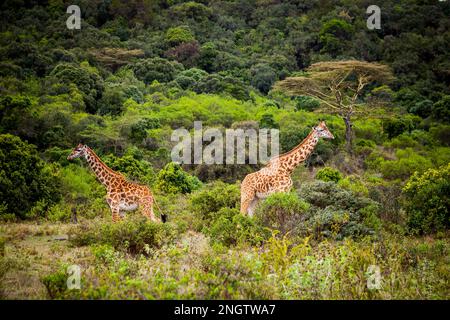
[[306, 103], [24, 178], [136, 170], [12, 112], [355, 184], [112, 101], [134, 234], [441, 133], [262, 77], [179, 35], [414, 139], [408, 161], [428, 200], [230, 227], [86, 78], [59, 212], [441, 109], [56, 284], [214, 197], [329, 174], [396, 126], [173, 179], [336, 212], [159, 69], [138, 130], [334, 35], [82, 193], [267, 121], [281, 211]]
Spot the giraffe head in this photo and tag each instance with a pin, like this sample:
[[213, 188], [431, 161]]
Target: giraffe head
[[322, 131], [78, 151]]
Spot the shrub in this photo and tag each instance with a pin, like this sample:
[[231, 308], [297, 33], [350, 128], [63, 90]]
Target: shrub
[[59, 212], [179, 35], [337, 213], [230, 227], [214, 197], [428, 204], [441, 109], [78, 183], [138, 130], [415, 139], [12, 112], [408, 162], [189, 78], [354, 184], [135, 234], [442, 134], [159, 69], [389, 195], [112, 101], [85, 77], [396, 126], [262, 77], [135, 170], [267, 121], [173, 179], [282, 211], [56, 284], [24, 177], [306, 103], [82, 194], [329, 174], [422, 108]]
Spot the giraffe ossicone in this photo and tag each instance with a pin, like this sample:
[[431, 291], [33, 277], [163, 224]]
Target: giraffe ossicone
[[122, 195], [276, 175]]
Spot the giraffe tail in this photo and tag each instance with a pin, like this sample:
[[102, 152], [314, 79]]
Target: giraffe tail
[[163, 216]]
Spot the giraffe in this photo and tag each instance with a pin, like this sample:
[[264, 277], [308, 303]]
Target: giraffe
[[122, 195], [276, 175]]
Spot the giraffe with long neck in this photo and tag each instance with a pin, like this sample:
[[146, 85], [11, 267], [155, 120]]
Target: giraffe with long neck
[[276, 175], [122, 195]]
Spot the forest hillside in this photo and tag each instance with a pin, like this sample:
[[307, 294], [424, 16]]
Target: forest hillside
[[368, 216]]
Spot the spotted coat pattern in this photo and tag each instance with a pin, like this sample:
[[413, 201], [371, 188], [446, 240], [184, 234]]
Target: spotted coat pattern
[[276, 175], [122, 195]]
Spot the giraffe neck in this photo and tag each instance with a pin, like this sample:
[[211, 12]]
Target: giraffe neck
[[291, 159], [104, 174]]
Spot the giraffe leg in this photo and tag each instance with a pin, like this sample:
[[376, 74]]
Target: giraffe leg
[[247, 198], [147, 209], [115, 214], [252, 206], [115, 210]]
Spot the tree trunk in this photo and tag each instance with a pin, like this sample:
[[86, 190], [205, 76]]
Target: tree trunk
[[348, 133]]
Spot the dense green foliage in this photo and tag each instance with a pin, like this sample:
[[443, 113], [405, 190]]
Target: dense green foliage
[[138, 70], [25, 178], [282, 211], [328, 174], [173, 179], [429, 200], [135, 235]]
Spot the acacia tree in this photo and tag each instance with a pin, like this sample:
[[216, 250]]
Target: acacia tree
[[339, 86]]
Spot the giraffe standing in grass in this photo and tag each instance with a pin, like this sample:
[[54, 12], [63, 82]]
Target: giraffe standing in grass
[[276, 175], [122, 195]]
